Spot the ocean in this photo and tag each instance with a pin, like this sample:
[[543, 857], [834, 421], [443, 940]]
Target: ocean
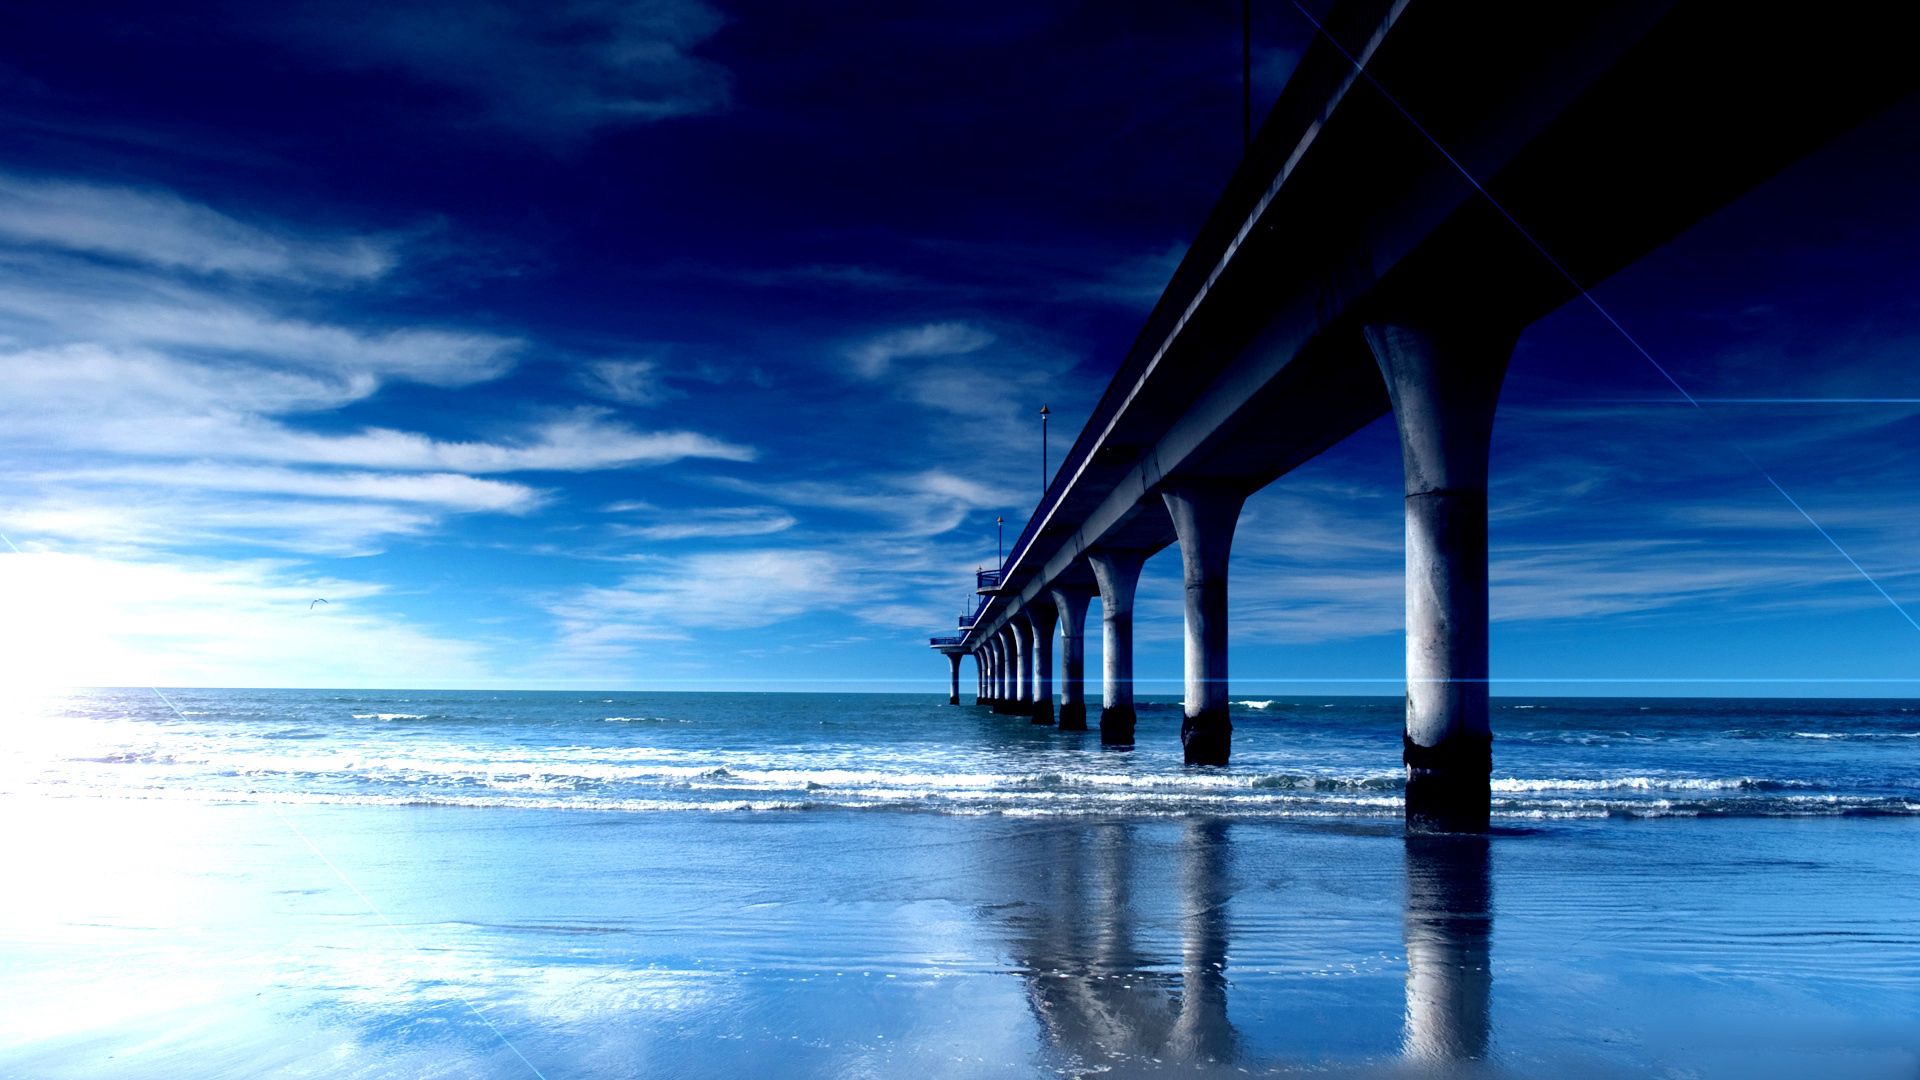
[[409, 883]]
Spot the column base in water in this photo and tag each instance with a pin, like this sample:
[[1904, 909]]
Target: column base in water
[[1043, 712], [1449, 787], [1073, 717], [1207, 739], [1116, 725]]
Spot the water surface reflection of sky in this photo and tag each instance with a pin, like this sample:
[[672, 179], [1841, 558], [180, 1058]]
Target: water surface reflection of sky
[[163, 939]]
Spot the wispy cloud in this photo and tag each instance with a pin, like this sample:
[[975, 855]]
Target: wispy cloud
[[917, 504], [713, 590], [701, 522], [549, 72], [451, 491], [629, 382], [50, 302], [159, 228], [871, 358]]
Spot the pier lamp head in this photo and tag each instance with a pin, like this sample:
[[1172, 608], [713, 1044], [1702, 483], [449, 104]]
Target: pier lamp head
[[1044, 413]]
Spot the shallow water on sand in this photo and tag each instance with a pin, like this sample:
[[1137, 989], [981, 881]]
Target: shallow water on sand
[[230, 923]]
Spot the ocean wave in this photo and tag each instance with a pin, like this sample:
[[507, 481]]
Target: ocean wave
[[388, 716], [1856, 735], [1255, 704], [1647, 783], [1026, 804]]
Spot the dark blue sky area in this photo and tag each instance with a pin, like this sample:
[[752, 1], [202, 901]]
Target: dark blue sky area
[[697, 345]]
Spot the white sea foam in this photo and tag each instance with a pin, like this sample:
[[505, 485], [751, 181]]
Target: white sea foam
[[1255, 704], [388, 716]]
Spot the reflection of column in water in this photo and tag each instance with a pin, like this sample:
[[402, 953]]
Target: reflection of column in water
[[1449, 936], [1201, 1031], [1095, 992], [1111, 900]]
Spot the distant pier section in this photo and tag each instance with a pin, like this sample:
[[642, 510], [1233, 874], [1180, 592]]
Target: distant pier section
[[1433, 178]]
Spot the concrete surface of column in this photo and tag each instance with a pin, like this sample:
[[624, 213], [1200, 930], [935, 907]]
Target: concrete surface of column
[[1204, 517], [1042, 616], [1071, 603], [1444, 376], [1117, 572]]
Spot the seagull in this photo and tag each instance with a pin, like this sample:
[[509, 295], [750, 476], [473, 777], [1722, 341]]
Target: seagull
[[322, 600]]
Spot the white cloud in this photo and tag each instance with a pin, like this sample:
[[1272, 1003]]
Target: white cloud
[[146, 404], [65, 306], [872, 358], [450, 491], [580, 442], [126, 520], [162, 229]]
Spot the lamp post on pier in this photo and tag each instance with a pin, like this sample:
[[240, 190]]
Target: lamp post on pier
[[1044, 414]]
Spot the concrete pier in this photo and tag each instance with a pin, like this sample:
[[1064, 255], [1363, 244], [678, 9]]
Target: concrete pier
[[953, 690], [1118, 573], [996, 669], [1004, 699], [1070, 601], [984, 656], [1204, 518], [1043, 617], [1020, 667], [1443, 376], [1344, 249]]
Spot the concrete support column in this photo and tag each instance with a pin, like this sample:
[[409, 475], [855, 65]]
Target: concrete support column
[[1444, 377], [1023, 664], [1117, 572], [1071, 603], [1002, 663], [988, 670], [1042, 615], [953, 690], [1204, 518]]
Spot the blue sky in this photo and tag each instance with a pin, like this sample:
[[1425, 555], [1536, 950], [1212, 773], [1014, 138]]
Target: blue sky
[[693, 345]]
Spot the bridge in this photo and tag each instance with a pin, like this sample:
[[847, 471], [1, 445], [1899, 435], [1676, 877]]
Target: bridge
[[1433, 178]]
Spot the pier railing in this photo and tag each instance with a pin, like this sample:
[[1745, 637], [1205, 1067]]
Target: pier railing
[[987, 579], [947, 639]]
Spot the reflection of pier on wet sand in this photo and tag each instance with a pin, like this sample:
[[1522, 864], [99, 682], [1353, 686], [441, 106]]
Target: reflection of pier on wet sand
[[1109, 991], [1449, 937], [1097, 994]]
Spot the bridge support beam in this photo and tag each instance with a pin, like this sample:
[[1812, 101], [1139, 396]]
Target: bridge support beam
[[1444, 378], [1042, 616], [1071, 602], [1118, 572], [994, 667], [1023, 665], [1003, 685], [953, 688], [1204, 518]]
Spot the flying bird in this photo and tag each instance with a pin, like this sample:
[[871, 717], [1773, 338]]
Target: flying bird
[[322, 600]]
